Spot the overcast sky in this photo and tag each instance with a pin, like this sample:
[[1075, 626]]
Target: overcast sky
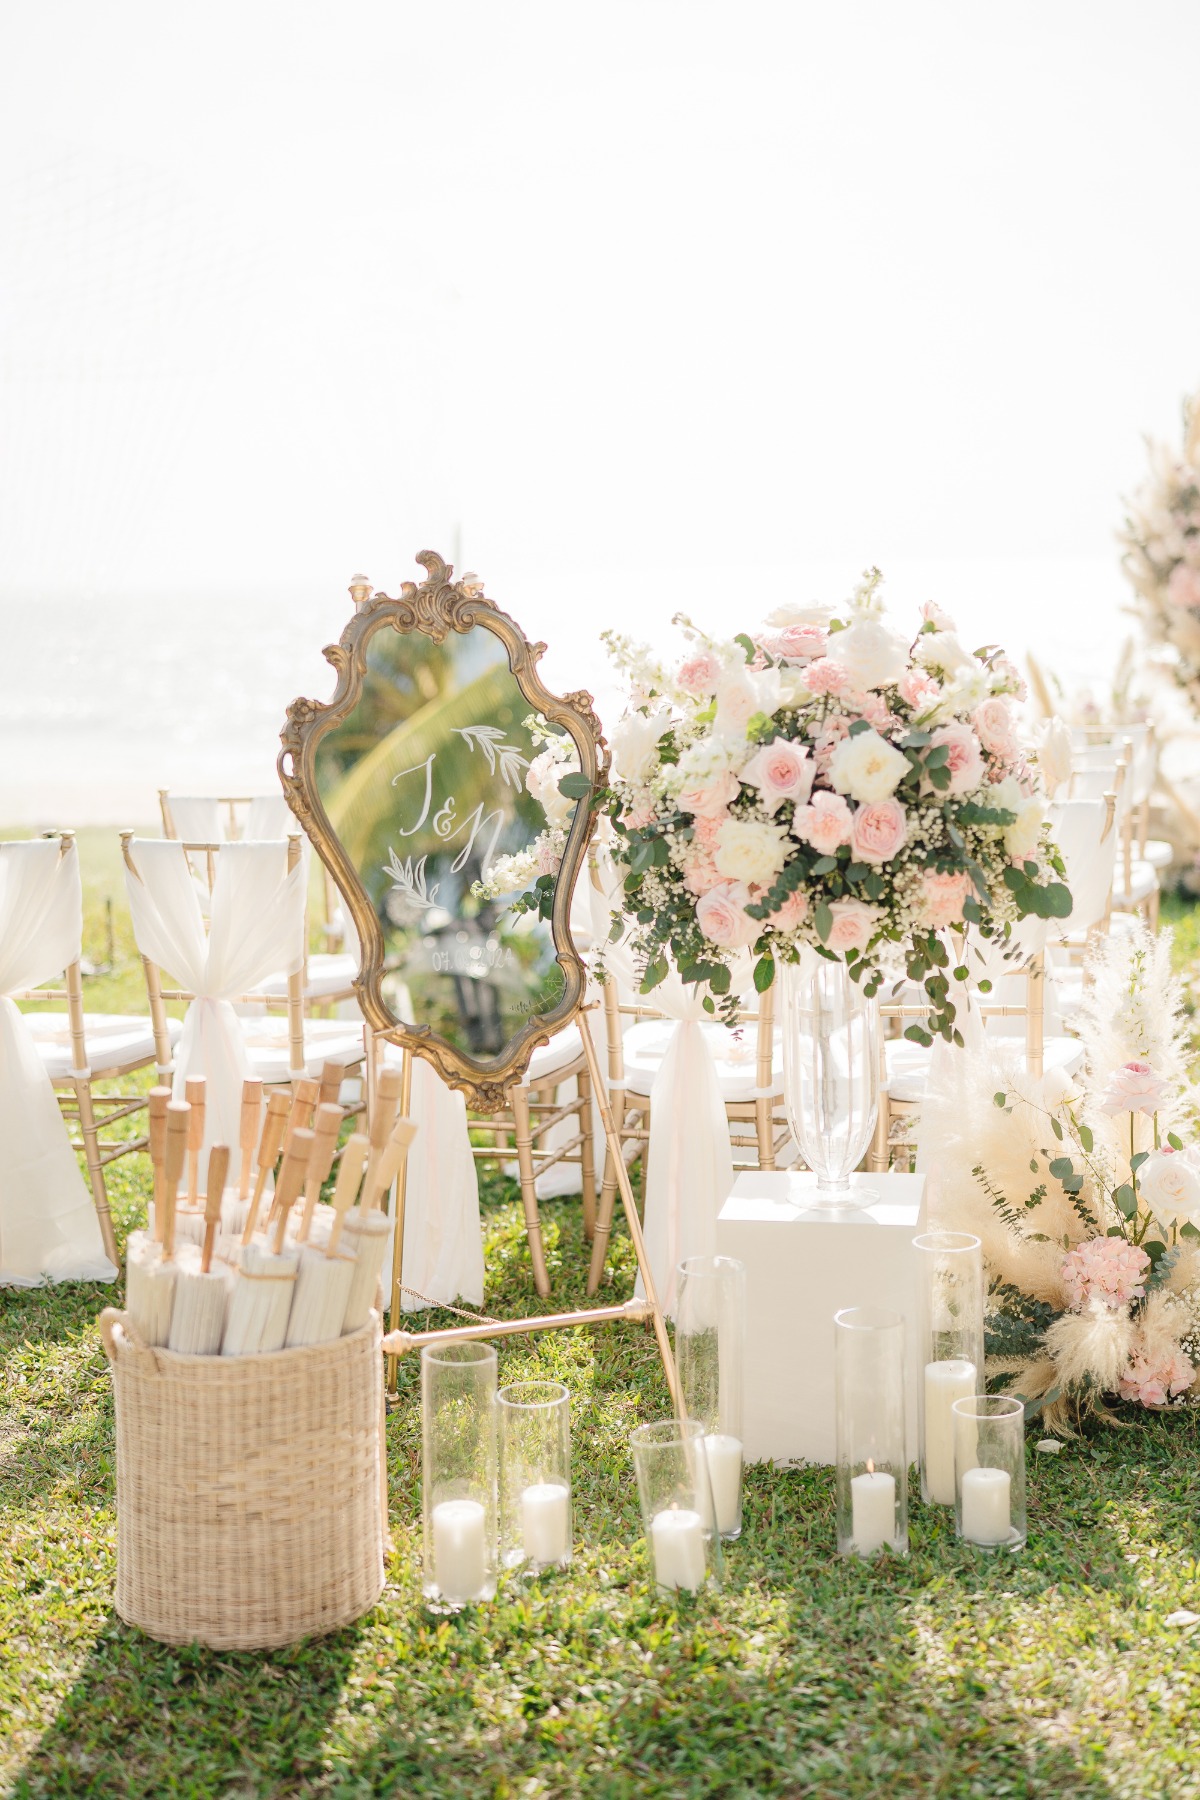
[[632, 289]]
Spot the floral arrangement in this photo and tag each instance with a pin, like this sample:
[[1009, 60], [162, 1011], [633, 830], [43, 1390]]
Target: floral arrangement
[[823, 782], [1162, 551], [1086, 1196], [536, 867]]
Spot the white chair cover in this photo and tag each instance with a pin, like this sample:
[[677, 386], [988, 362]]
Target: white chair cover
[[270, 816], [1077, 826], [48, 1225], [257, 926], [197, 818]]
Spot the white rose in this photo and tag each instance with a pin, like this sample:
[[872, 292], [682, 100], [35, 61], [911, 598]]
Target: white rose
[[739, 697], [799, 615], [634, 742], [872, 656], [941, 650], [750, 852], [867, 767], [1170, 1188]]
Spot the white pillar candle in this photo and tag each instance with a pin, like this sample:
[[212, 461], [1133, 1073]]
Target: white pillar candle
[[724, 1456], [945, 1382], [459, 1549], [873, 1510], [986, 1512], [678, 1539], [546, 1521]]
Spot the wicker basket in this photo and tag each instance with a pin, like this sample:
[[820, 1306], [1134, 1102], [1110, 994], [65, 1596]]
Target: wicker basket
[[251, 1503]]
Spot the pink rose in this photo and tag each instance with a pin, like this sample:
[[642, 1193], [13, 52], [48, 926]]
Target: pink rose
[[1183, 588], [791, 914], [708, 798], [700, 673], [966, 759], [780, 771], [797, 643], [944, 896], [994, 722], [721, 916], [826, 677], [918, 689], [826, 823], [878, 832], [1133, 1088], [853, 923]]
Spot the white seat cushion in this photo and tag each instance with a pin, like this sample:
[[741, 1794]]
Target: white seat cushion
[[1158, 853], [114, 1041], [734, 1054], [563, 1049], [1144, 881], [908, 1064], [327, 974], [325, 1040]]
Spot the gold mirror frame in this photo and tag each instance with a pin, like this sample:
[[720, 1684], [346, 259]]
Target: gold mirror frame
[[438, 606]]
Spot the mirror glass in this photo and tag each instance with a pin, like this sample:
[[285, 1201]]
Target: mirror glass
[[439, 774]]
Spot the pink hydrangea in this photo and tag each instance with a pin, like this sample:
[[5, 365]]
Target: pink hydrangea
[[875, 710], [1104, 1269], [1155, 1383]]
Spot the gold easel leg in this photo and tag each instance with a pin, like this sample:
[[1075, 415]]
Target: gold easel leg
[[631, 1215], [394, 1312]]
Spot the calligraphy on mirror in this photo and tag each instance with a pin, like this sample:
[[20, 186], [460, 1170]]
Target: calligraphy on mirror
[[1161, 540], [1085, 1193], [825, 782]]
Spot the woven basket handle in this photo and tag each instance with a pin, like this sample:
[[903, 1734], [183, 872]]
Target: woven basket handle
[[109, 1320]]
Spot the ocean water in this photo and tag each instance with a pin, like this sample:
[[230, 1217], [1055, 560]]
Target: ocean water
[[105, 700]]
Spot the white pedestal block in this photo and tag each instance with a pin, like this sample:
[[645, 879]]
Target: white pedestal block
[[803, 1264]]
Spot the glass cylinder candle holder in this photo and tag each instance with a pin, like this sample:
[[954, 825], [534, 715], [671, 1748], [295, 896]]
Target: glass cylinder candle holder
[[989, 1470], [950, 1348], [677, 1507], [710, 1343], [534, 1419], [872, 1453], [458, 1473]]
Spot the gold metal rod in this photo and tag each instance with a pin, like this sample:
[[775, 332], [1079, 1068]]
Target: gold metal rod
[[396, 1343], [406, 1085], [631, 1213]]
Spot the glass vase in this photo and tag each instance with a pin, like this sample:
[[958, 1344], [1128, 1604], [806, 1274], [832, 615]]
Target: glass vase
[[458, 1473], [534, 1419], [989, 1470], [710, 1343], [872, 1454], [950, 1349], [830, 1072], [677, 1508]]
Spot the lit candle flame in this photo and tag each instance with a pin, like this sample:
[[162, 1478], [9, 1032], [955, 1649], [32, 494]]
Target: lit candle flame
[[870, 1467]]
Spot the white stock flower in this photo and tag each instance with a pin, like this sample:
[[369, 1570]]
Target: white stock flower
[[1170, 1188], [942, 650], [542, 778], [867, 767], [635, 740], [750, 851], [871, 654]]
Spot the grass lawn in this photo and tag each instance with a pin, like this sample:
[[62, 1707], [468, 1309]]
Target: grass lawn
[[949, 1674]]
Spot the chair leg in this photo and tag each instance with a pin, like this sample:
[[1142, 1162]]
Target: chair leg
[[878, 1159], [91, 1151], [533, 1223], [587, 1155]]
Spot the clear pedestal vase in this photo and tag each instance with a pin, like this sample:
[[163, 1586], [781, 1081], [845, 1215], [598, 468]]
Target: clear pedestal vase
[[830, 1073]]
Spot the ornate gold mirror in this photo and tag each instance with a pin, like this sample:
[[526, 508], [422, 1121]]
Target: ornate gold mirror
[[431, 785]]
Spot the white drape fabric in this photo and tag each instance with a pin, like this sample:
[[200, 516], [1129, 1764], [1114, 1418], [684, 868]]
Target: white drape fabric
[[197, 818], [257, 926], [1090, 858], [443, 1238], [48, 1225]]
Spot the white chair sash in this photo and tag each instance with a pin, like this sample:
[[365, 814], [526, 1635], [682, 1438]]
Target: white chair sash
[[48, 1225], [1078, 826], [257, 927], [443, 1240], [197, 818]]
